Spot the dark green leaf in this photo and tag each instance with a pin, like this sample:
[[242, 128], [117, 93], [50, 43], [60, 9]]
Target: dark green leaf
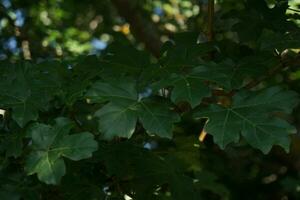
[[50, 144], [25, 89], [157, 117], [119, 117], [252, 115]]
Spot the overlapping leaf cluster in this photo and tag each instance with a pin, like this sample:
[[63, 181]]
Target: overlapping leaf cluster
[[107, 110]]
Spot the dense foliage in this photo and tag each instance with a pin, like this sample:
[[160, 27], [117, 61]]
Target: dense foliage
[[212, 115]]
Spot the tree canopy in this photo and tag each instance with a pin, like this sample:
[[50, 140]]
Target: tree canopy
[[149, 99]]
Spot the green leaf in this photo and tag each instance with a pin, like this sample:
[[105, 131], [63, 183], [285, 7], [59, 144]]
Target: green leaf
[[79, 78], [117, 120], [229, 74], [25, 89], [196, 84], [157, 117], [50, 144], [252, 115], [116, 91], [73, 78], [48, 167], [125, 108], [190, 89], [224, 74], [185, 53]]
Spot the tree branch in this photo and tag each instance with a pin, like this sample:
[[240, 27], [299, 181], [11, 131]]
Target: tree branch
[[210, 20], [142, 27]]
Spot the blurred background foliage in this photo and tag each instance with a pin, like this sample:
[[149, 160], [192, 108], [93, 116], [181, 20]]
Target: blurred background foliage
[[62, 28], [48, 29]]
